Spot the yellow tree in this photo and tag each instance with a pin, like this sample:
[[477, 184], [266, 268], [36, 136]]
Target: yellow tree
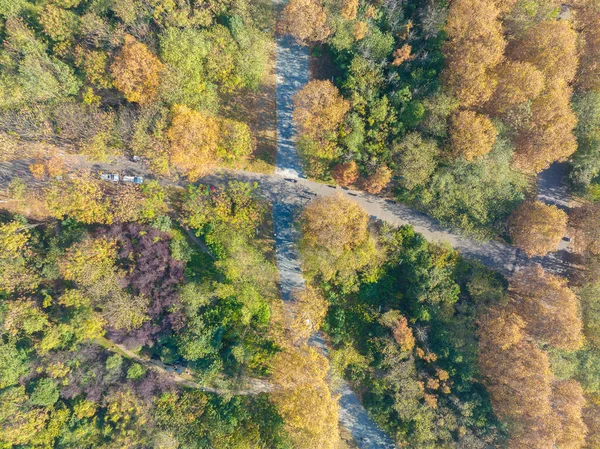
[[472, 134], [127, 203], [550, 135], [587, 22], [568, 403], [136, 71], [235, 140], [15, 274], [303, 398], [359, 30], [519, 380], [349, 9], [518, 82], [537, 228], [591, 418], [551, 311], [336, 223], [502, 329], [336, 242], [585, 222], [128, 415], [80, 197], [475, 46], [194, 139], [551, 46], [309, 313], [319, 109], [86, 263], [504, 6], [306, 20]]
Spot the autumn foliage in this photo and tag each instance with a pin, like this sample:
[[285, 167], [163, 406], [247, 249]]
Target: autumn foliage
[[401, 331], [551, 46], [306, 20], [519, 380], [319, 108], [472, 135], [568, 402], [584, 222], [377, 181], [349, 9], [309, 313], [518, 82], [336, 242], [538, 66], [551, 311], [303, 398], [475, 46], [136, 71], [194, 138], [549, 138], [199, 142], [336, 222], [540, 411], [345, 174], [587, 21], [402, 55], [537, 228]]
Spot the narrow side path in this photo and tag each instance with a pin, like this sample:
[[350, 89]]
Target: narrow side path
[[292, 74], [255, 386], [552, 186]]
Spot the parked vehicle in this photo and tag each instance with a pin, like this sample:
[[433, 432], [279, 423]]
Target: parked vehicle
[[565, 243], [133, 179], [112, 177]]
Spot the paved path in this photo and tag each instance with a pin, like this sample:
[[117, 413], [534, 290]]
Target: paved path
[[552, 185], [293, 72], [292, 75], [553, 188]]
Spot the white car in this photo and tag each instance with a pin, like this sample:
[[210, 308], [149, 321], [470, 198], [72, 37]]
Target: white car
[[565, 242], [112, 177], [133, 179]]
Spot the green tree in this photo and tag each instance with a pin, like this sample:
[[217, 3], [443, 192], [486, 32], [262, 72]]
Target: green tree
[[14, 363], [417, 160], [30, 75], [15, 272], [45, 393], [186, 80], [235, 207], [585, 161]]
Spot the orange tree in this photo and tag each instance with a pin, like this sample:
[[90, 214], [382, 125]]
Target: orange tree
[[537, 228]]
